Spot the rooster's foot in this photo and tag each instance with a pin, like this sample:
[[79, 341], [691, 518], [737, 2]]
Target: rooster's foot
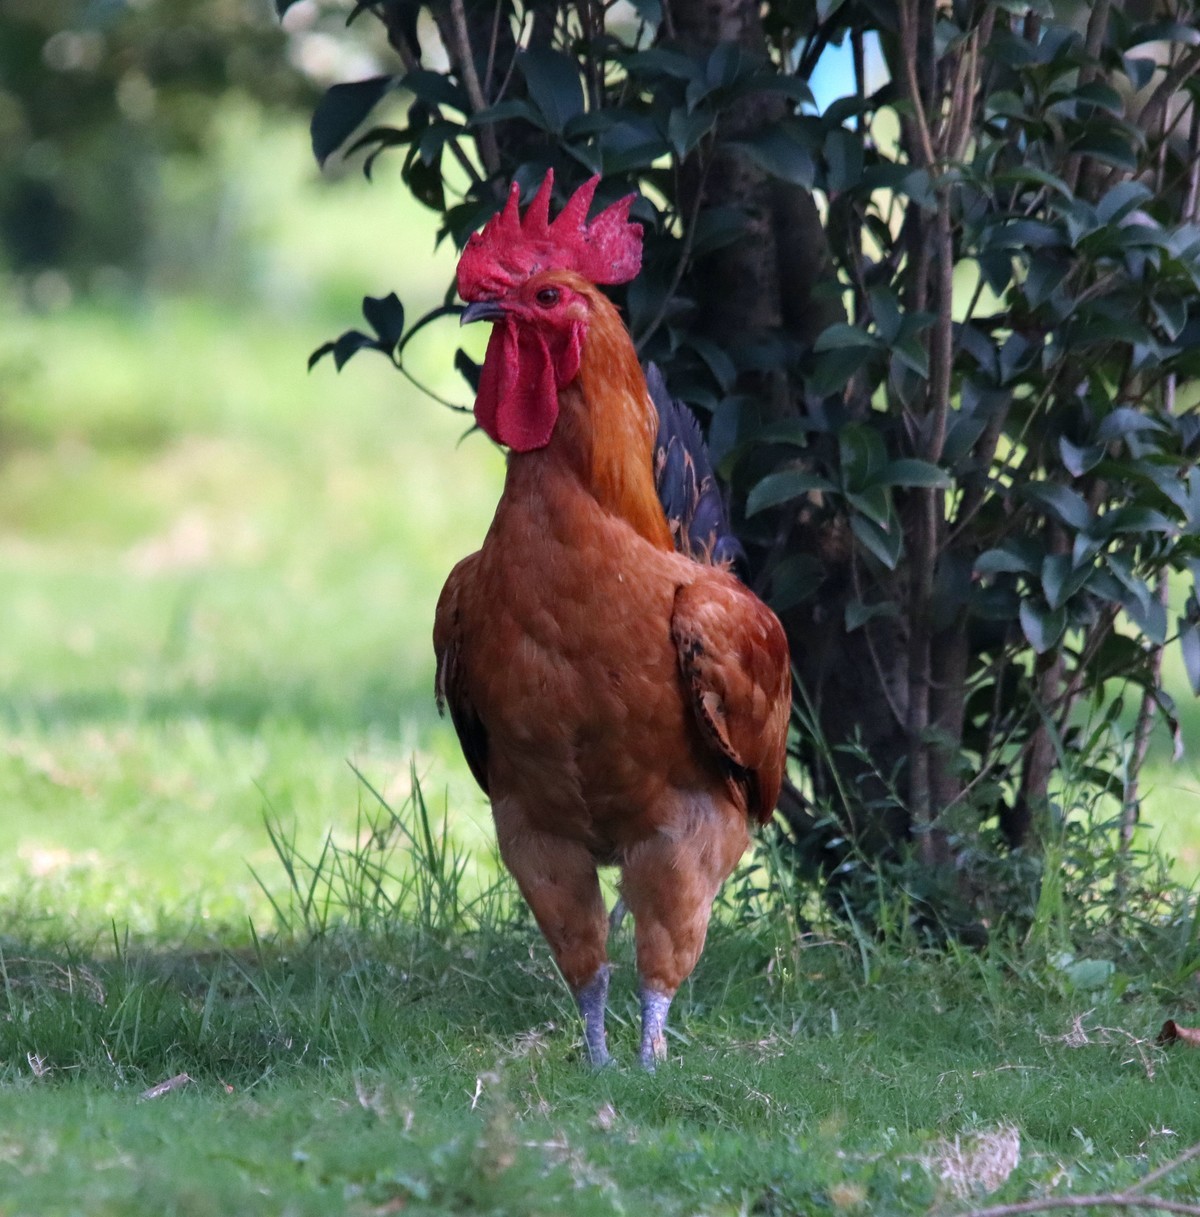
[[591, 998], [654, 1021]]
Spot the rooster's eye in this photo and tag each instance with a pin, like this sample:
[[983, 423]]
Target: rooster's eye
[[548, 297]]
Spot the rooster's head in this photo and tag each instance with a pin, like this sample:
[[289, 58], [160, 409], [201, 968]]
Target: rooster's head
[[533, 278]]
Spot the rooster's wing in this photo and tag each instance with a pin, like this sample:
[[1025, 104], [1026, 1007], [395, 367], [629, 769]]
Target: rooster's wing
[[733, 655]]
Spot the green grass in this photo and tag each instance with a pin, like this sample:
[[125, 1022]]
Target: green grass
[[444, 1074], [217, 580], [219, 574]]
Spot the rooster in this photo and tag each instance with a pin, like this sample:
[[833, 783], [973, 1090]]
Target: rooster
[[621, 703]]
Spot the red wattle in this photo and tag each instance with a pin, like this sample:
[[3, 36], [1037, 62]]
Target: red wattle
[[517, 402]]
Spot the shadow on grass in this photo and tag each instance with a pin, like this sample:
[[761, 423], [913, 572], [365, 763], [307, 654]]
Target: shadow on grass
[[311, 706], [243, 1014]]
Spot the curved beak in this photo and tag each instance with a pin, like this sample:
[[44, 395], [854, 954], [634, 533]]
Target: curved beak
[[483, 310]]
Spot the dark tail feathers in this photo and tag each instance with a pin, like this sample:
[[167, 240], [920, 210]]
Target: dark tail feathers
[[687, 486]]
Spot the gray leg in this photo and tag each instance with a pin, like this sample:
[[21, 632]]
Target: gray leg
[[591, 999], [654, 1021]]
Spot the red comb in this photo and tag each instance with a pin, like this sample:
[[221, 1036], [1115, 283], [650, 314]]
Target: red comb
[[510, 249]]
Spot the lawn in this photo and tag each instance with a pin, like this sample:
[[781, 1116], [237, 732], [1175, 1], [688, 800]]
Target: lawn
[[217, 580]]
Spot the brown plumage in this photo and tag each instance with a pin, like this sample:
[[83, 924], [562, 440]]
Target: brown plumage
[[620, 703]]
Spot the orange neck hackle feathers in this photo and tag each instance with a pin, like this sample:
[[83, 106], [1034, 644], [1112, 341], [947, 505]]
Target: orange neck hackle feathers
[[561, 376]]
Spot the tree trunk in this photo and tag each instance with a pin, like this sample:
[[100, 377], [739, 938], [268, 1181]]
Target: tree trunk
[[764, 284]]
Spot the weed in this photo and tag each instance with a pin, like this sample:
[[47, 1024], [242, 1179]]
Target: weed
[[398, 869]]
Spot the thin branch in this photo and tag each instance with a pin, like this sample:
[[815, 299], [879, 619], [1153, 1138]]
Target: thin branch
[[941, 354], [399, 44], [493, 43], [1115, 1200], [1192, 1151], [885, 685], [909, 40], [1096, 29], [488, 148], [1169, 86], [685, 254], [437, 397]]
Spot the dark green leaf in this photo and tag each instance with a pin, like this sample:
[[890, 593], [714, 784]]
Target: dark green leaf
[[385, 315], [1132, 519], [1150, 616], [1060, 502], [795, 431], [555, 88], [595, 123], [436, 89], [1121, 200], [911, 354], [1023, 235], [433, 139], [340, 112], [1172, 314], [1006, 104], [1079, 461], [685, 130], [794, 580], [502, 111], [918, 185], [962, 433], [1041, 626], [771, 82], [628, 158], [996, 268], [886, 546], [783, 487], [862, 454], [467, 368], [717, 359], [874, 502], [844, 159], [1110, 147], [1007, 559], [649, 11], [661, 62], [726, 64], [1061, 579], [1016, 354], [349, 344], [382, 137], [885, 309], [830, 370], [1165, 31], [1139, 69], [1125, 420], [780, 154], [425, 182], [717, 227], [1043, 278], [1100, 95], [1032, 175], [858, 613], [841, 335], [910, 472]]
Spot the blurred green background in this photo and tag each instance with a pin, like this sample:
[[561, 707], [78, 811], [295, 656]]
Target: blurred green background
[[217, 571]]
